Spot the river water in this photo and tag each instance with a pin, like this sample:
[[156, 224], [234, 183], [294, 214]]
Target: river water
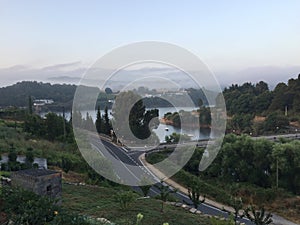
[[163, 129]]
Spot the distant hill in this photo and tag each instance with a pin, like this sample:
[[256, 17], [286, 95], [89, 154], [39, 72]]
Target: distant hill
[[18, 94], [62, 95], [247, 98]]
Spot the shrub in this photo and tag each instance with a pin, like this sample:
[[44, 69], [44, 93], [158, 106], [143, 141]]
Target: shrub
[[125, 198]]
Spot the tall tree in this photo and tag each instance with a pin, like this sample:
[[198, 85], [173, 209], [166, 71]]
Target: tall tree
[[129, 113], [64, 123], [66, 164], [194, 192], [29, 105], [286, 160], [108, 90], [107, 125], [29, 157], [88, 122], [276, 122], [145, 186], [205, 116], [164, 192], [280, 98], [261, 87], [98, 121], [54, 126], [12, 155]]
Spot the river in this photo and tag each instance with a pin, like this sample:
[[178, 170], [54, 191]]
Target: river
[[163, 129]]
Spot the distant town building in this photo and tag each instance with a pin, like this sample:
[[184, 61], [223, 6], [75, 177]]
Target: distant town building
[[40, 181], [42, 102]]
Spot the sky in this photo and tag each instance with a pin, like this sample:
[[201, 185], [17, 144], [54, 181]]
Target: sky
[[238, 40]]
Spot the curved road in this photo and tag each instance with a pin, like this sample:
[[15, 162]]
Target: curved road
[[125, 169]]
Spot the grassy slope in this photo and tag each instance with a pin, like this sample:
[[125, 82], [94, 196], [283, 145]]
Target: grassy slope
[[94, 201], [99, 202]]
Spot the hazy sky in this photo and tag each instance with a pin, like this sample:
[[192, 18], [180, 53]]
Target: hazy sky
[[231, 37]]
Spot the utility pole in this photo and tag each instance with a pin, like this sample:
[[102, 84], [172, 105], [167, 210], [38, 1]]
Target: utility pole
[[64, 123], [277, 173], [286, 110]]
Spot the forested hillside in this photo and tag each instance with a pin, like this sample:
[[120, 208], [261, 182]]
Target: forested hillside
[[258, 99], [17, 94], [248, 98], [256, 110], [62, 94]]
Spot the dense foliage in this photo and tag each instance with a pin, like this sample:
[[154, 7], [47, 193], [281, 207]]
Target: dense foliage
[[247, 98], [243, 167], [276, 108], [141, 121], [242, 159]]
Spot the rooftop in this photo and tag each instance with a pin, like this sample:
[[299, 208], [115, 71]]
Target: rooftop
[[36, 172]]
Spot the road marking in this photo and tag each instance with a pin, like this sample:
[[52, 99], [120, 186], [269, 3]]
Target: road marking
[[96, 148], [124, 164], [149, 172]]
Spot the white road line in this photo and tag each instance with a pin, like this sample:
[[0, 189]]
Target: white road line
[[96, 148], [111, 151], [154, 191], [149, 172]]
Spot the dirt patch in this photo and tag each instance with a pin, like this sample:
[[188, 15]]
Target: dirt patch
[[295, 124], [71, 176], [287, 208], [258, 119]]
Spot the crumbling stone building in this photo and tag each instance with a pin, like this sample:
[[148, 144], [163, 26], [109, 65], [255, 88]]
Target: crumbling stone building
[[40, 181]]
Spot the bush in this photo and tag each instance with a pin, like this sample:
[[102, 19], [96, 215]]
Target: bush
[[24, 207], [125, 198], [264, 195]]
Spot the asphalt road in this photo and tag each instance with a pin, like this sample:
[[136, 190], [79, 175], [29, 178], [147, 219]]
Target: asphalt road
[[125, 170]]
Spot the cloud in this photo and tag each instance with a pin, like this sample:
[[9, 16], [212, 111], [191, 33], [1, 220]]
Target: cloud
[[72, 73], [63, 67], [61, 73]]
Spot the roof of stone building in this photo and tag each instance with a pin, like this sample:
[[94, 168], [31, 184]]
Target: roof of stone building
[[36, 172]]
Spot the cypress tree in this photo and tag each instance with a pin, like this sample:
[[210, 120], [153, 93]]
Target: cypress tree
[[98, 120]]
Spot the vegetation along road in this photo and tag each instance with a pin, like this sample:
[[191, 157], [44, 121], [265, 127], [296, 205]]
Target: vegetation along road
[[130, 159]]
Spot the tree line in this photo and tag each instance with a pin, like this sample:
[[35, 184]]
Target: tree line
[[255, 109], [259, 162]]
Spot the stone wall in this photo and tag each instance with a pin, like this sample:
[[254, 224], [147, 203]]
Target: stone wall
[[47, 185]]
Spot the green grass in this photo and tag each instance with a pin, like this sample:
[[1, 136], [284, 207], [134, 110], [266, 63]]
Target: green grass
[[5, 173], [157, 157], [100, 202]]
